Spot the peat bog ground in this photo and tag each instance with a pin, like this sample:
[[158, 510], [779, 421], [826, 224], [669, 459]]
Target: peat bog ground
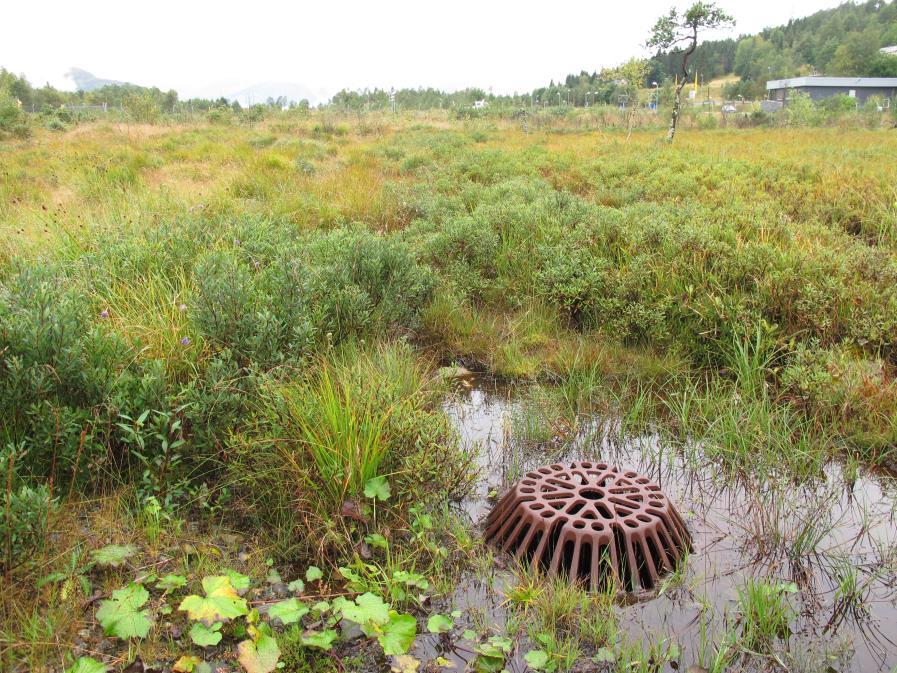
[[263, 380]]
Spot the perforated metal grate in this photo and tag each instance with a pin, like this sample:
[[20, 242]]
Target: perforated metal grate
[[590, 521]]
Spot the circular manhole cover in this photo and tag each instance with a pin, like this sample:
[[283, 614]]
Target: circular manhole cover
[[590, 521]]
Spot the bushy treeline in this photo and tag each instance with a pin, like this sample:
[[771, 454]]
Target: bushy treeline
[[57, 109], [844, 41]]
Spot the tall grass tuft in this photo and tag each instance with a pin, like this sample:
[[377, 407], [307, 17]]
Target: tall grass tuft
[[342, 433]]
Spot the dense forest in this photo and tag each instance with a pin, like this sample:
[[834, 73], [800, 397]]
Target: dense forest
[[843, 41]]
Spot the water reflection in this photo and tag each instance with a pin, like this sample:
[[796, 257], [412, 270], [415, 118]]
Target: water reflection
[[833, 537]]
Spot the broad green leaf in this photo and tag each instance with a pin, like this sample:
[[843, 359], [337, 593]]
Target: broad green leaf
[[113, 554], [220, 603], [377, 489], [238, 581], [398, 634], [88, 665], [470, 635], [536, 659], [260, 655], [122, 617], [171, 582], [313, 574], [296, 586], [273, 577], [323, 640], [367, 609], [439, 624], [204, 635], [289, 611], [186, 664]]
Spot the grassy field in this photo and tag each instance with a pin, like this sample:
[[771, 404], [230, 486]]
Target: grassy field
[[229, 355]]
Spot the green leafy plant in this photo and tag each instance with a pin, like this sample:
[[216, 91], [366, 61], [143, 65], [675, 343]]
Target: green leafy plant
[[204, 636], [220, 604], [122, 617], [491, 655], [395, 632], [170, 582], [87, 665], [439, 624], [288, 611], [113, 555], [322, 640], [261, 653]]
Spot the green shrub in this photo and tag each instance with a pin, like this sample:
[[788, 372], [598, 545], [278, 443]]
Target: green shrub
[[362, 412], [57, 366], [260, 314], [12, 119], [23, 526], [465, 250], [360, 283]]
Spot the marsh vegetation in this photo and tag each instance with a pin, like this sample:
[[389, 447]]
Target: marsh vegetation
[[262, 380]]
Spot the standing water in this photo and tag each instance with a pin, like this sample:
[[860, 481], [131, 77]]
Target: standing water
[[829, 544]]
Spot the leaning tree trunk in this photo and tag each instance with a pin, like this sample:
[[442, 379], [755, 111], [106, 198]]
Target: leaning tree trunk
[[677, 101], [674, 118]]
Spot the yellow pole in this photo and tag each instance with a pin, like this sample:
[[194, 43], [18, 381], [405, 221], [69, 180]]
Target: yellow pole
[[696, 83]]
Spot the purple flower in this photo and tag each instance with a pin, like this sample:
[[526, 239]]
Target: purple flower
[[185, 341], [236, 241], [104, 313]]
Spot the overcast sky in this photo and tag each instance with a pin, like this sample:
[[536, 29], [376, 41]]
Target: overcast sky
[[203, 48]]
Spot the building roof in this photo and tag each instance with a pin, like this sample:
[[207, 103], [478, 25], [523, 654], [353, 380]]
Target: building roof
[[851, 82]]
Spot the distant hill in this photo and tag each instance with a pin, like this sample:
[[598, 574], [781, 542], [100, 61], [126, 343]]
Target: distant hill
[[261, 92], [85, 81]]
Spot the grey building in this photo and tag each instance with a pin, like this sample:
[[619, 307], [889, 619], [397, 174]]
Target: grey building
[[819, 88]]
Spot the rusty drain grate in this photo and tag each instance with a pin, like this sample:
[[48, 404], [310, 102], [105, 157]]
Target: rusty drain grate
[[590, 521]]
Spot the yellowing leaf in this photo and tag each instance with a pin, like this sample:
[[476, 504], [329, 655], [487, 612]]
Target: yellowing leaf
[[186, 664], [220, 603], [259, 656], [405, 663]]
